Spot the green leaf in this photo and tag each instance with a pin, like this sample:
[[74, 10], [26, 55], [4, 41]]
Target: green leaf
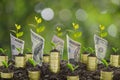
[[40, 29], [5, 64], [104, 62], [32, 62], [19, 34], [19, 50], [85, 49], [53, 44], [29, 50], [104, 34], [91, 50], [59, 34], [70, 66], [77, 34], [3, 50], [115, 49]]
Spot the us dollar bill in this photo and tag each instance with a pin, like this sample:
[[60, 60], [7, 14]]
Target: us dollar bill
[[37, 47], [73, 49], [59, 44], [16, 43], [100, 47]]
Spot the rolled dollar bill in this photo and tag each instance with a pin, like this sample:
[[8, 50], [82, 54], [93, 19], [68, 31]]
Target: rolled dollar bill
[[37, 47], [16, 43], [59, 44], [73, 48], [100, 47]]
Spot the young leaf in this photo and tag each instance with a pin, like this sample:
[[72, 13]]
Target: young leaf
[[53, 44], [91, 50], [104, 34], [58, 29], [19, 34], [38, 20], [77, 34], [75, 26], [59, 34], [102, 27], [104, 62], [5, 64], [40, 29], [85, 49], [19, 50], [29, 50], [18, 27], [115, 49], [32, 62], [70, 66], [3, 50]]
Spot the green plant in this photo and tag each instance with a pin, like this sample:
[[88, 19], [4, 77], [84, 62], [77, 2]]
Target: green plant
[[71, 67], [115, 50], [85, 49], [5, 64], [37, 26], [19, 50], [3, 50], [104, 62], [17, 32], [76, 32], [58, 31], [91, 50], [29, 50], [101, 31], [32, 62]]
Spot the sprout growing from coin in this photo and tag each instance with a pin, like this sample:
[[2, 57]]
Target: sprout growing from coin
[[71, 67]]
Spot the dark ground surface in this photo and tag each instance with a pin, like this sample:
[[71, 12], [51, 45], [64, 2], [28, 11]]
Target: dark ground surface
[[84, 74]]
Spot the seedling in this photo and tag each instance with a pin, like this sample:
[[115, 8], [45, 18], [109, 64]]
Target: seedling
[[102, 32], [115, 50], [17, 32], [91, 50], [37, 26], [19, 50], [71, 67], [104, 62], [3, 50], [59, 31], [5, 64], [32, 62], [76, 33]]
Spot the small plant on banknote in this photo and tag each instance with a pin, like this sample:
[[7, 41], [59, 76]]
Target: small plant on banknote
[[102, 33], [38, 25], [28, 54], [17, 32]]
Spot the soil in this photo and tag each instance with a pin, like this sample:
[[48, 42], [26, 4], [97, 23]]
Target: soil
[[92, 55], [46, 55], [54, 50], [46, 74], [85, 52], [29, 53], [2, 54], [20, 54]]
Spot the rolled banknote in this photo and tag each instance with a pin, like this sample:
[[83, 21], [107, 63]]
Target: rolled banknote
[[37, 47], [100, 47], [59, 44], [73, 48], [16, 43]]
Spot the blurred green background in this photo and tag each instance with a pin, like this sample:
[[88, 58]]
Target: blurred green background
[[89, 14]]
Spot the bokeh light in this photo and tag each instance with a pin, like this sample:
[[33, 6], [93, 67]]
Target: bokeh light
[[47, 14]]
